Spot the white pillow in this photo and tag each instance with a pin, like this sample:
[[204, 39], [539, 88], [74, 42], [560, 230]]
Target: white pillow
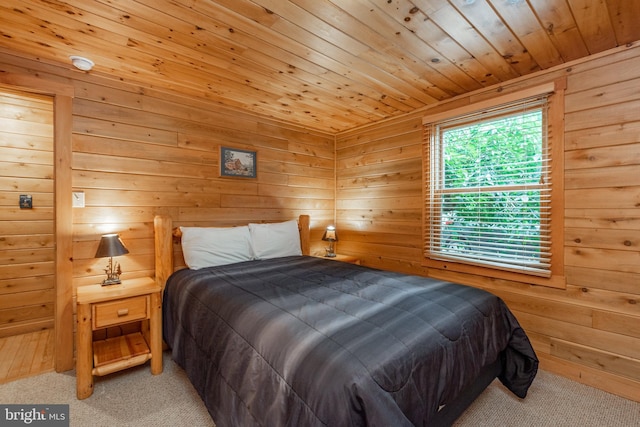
[[275, 240], [211, 246]]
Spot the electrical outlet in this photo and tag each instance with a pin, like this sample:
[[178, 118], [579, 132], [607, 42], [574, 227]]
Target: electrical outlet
[[78, 199]]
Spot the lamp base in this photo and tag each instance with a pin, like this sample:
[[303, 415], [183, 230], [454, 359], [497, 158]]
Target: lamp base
[[108, 282], [330, 250], [113, 273]]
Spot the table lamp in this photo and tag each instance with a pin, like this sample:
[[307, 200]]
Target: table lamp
[[330, 235], [110, 246]]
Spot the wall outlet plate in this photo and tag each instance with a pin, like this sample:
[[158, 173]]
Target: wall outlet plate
[[78, 199]]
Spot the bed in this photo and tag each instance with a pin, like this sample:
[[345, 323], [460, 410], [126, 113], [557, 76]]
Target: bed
[[296, 340]]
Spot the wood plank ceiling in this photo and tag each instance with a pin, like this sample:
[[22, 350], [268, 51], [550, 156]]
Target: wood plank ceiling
[[330, 65]]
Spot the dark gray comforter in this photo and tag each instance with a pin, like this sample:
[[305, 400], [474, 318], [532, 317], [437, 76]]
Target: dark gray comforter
[[303, 341]]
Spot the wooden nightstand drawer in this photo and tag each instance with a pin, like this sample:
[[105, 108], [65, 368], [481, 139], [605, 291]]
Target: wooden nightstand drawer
[[120, 311]]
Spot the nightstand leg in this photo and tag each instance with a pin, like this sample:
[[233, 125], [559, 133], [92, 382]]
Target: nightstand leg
[[84, 348], [155, 332]]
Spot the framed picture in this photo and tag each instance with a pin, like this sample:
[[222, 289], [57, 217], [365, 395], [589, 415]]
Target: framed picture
[[238, 163]]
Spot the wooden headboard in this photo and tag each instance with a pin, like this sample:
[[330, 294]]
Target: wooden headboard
[[164, 234]]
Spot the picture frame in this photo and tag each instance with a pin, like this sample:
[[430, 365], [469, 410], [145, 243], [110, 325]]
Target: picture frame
[[238, 163]]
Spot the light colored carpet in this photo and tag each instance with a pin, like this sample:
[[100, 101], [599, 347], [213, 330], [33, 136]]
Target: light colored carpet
[[137, 398], [131, 397], [552, 401]]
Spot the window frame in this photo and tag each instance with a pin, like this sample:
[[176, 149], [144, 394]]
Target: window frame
[[555, 135]]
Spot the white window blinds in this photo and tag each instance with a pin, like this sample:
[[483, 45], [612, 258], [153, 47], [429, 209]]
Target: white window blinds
[[489, 187]]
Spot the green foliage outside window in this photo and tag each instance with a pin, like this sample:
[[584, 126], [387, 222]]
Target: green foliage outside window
[[491, 201]]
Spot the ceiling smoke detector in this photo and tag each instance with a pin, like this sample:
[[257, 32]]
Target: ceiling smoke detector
[[81, 63]]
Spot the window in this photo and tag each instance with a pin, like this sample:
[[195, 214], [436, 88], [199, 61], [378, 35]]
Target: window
[[489, 186]]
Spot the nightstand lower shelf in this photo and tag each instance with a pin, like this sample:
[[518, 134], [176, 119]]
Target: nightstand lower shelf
[[114, 354]]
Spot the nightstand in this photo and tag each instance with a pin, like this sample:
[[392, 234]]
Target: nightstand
[[100, 307], [344, 258]]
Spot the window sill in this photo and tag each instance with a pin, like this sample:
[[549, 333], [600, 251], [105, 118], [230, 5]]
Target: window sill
[[557, 281]]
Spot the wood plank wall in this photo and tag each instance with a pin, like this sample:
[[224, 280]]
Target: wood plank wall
[[27, 249], [589, 331], [136, 155], [138, 152]]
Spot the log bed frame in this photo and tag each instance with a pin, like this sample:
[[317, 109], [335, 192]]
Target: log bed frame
[[166, 235]]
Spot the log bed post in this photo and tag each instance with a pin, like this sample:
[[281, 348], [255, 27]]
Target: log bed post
[[305, 241], [163, 228]]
